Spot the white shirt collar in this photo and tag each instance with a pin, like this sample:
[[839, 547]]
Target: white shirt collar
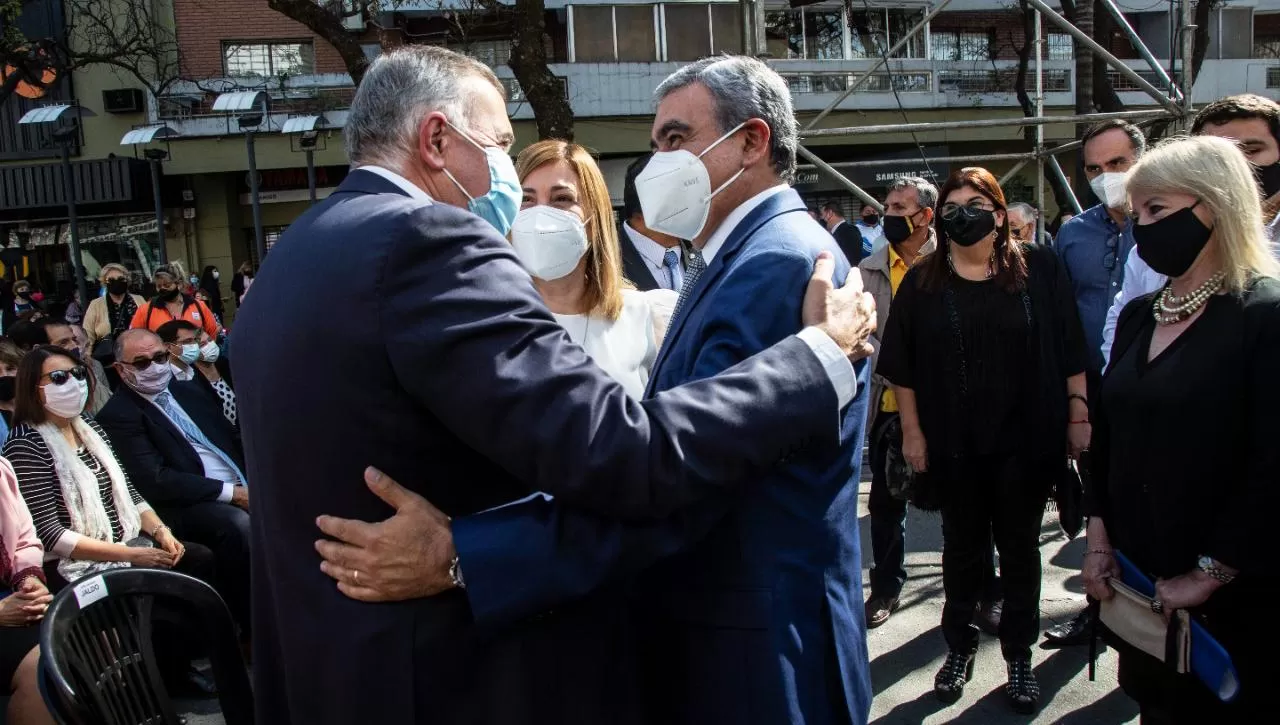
[[405, 185], [183, 375], [651, 251], [731, 222]]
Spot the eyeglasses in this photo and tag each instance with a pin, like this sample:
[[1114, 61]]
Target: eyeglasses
[[60, 377], [146, 362], [115, 279], [949, 211]]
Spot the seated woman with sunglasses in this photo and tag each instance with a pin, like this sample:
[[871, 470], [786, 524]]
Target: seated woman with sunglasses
[[86, 513], [985, 353]]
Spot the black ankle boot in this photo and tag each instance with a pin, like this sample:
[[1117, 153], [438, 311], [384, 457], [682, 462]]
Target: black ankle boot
[[1023, 690], [956, 672]]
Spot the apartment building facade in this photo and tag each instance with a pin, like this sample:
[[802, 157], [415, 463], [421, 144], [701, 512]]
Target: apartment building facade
[[611, 54]]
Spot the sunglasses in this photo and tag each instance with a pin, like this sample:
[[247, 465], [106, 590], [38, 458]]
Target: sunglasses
[[949, 211], [60, 377], [146, 362]]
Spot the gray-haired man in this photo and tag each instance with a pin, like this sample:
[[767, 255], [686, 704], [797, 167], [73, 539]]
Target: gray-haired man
[[455, 379]]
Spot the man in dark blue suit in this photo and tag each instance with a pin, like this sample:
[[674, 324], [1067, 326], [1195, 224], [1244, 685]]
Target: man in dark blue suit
[[443, 368], [754, 613]]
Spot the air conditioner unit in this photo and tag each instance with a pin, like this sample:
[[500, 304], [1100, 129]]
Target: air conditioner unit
[[123, 100], [354, 23]]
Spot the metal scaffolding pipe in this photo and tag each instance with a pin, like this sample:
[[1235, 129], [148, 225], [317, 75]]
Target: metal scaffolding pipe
[[1062, 179], [1111, 60], [879, 62], [1188, 40], [1141, 47], [825, 168], [984, 123], [976, 158], [1040, 231], [1014, 171]]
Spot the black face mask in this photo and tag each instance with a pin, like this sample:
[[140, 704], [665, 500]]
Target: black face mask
[[167, 295], [118, 286], [1269, 180], [898, 228], [871, 220], [969, 226], [1172, 244], [7, 391], [24, 294]]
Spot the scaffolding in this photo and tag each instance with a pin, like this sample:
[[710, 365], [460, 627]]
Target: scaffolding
[[1174, 101]]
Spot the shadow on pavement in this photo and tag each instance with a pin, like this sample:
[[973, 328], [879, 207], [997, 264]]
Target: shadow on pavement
[[893, 666]]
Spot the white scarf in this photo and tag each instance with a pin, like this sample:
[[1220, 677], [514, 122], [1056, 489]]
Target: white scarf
[[81, 495]]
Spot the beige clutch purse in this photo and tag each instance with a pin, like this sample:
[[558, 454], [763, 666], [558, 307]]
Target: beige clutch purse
[[1129, 616]]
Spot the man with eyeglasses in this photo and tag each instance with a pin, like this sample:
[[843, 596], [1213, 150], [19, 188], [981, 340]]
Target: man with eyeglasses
[[183, 457]]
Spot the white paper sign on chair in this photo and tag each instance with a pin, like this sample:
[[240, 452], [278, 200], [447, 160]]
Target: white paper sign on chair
[[90, 590]]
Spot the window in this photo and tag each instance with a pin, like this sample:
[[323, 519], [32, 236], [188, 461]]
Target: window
[[867, 37], [951, 45], [492, 53], [271, 59], [783, 33], [636, 40], [371, 51], [823, 34], [1266, 46], [726, 28], [1058, 46], [593, 33], [603, 34], [688, 32]]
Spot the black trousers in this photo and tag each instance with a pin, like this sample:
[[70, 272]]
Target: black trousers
[[992, 496], [889, 527], [225, 530]]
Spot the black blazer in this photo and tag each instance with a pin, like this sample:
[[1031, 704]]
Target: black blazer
[[850, 241], [633, 266], [163, 466], [224, 369]]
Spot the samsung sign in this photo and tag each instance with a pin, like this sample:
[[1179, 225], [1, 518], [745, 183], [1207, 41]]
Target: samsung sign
[[897, 164]]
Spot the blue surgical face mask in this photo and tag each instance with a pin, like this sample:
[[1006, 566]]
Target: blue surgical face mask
[[190, 353], [499, 206]]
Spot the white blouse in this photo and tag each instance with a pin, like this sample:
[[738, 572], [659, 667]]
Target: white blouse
[[627, 347]]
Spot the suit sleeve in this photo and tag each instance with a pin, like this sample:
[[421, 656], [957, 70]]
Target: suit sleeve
[[468, 337], [158, 483], [524, 558]]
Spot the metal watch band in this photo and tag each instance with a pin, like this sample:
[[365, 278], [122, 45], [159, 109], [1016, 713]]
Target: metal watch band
[[455, 574], [1209, 566]]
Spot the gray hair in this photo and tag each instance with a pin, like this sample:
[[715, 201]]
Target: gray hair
[[399, 90], [926, 193], [124, 337], [745, 88], [1025, 209]]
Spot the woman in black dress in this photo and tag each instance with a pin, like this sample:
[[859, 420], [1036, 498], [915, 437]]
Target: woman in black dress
[[1185, 449], [985, 352]]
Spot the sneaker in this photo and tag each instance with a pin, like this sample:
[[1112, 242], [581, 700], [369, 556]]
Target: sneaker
[[956, 672], [988, 619], [879, 609], [1023, 690]]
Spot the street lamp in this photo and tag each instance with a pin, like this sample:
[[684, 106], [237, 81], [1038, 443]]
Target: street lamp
[[250, 108], [146, 135], [64, 120], [307, 130]]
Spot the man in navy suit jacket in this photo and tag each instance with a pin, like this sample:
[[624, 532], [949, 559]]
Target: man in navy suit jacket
[[754, 614], [441, 366]]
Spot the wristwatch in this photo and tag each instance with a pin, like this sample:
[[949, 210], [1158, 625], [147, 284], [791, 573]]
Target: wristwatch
[[455, 574], [1210, 567]]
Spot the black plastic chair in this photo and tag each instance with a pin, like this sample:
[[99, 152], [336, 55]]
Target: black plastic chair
[[96, 657]]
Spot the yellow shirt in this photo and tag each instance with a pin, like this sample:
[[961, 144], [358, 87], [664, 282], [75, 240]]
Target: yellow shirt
[[897, 270]]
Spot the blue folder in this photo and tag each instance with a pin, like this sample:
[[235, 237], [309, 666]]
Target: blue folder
[[1210, 663]]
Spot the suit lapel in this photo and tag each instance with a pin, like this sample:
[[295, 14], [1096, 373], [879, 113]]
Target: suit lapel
[[156, 416], [194, 400], [633, 264], [780, 203]]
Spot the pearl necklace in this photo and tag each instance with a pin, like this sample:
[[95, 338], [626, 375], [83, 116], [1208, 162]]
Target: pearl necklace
[[1171, 309]]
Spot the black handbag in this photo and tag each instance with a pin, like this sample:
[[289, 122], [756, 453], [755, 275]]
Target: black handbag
[[920, 489], [1068, 497]]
